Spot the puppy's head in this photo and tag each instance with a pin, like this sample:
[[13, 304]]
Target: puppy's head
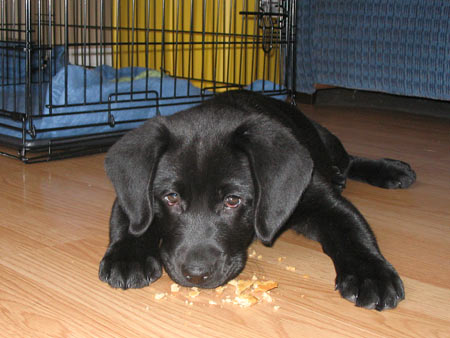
[[209, 181]]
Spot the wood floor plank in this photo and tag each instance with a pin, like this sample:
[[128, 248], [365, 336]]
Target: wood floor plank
[[54, 231]]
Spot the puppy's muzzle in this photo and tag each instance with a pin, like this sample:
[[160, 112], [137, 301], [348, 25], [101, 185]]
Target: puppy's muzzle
[[200, 265]]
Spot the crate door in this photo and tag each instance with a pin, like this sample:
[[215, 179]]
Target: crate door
[[215, 43]]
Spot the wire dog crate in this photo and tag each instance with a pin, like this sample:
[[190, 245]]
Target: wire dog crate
[[75, 75]]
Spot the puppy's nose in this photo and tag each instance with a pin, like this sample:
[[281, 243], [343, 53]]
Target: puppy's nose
[[196, 273]]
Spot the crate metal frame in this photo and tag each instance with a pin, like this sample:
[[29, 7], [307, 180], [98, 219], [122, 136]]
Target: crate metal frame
[[218, 46]]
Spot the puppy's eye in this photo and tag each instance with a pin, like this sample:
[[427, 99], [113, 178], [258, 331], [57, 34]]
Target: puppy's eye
[[232, 201], [172, 198]]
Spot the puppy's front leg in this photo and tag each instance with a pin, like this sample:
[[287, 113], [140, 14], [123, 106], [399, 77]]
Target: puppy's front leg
[[364, 276], [129, 261]]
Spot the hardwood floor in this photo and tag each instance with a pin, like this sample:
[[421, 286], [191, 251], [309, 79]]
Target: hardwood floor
[[54, 231]]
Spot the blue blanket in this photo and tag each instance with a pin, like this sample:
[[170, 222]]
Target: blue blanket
[[99, 100]]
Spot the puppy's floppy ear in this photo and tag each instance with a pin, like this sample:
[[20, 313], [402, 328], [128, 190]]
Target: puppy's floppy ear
[[131, 165], [281, 169]]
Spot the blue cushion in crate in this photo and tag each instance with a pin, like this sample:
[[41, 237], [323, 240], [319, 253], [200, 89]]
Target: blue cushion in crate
[[78, 112]]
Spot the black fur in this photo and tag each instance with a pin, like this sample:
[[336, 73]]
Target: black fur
[[196, 188]]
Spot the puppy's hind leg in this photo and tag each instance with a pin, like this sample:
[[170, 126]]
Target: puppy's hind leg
[[383, 173]]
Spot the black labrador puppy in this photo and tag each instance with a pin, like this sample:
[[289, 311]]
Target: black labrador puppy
[[196, 188]]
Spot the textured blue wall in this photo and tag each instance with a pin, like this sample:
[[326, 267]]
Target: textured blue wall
[[398, 47]]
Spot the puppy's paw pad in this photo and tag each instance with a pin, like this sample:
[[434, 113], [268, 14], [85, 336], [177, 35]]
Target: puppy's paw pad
[[397, 174], [348, 287], [127, 274], [378, 290], [153, 269]]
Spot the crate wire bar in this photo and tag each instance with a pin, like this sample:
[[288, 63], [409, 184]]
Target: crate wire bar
[[75, 75]]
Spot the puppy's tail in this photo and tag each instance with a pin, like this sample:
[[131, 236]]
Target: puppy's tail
[[384, 173]]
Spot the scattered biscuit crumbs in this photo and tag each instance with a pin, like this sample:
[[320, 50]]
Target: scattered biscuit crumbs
[[220, 289], [276, 307], [259, 257], [280, 259], [174, 287], [267, 297], [245, 289], [233, 282], [305, 276], [241, 285], [264, 286], [245, 300], [194, 293], [253, 254], [290, 268], [159, 296]]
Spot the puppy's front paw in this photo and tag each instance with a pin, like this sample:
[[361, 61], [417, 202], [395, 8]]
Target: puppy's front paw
[[125, 269], [371, 285]]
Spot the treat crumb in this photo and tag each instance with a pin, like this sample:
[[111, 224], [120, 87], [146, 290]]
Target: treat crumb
[[245, 300], [194, 293], [233, 282], [267, 297], [265, 286], [174, 287], [220, 289], [159, 296], [241, 285]]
